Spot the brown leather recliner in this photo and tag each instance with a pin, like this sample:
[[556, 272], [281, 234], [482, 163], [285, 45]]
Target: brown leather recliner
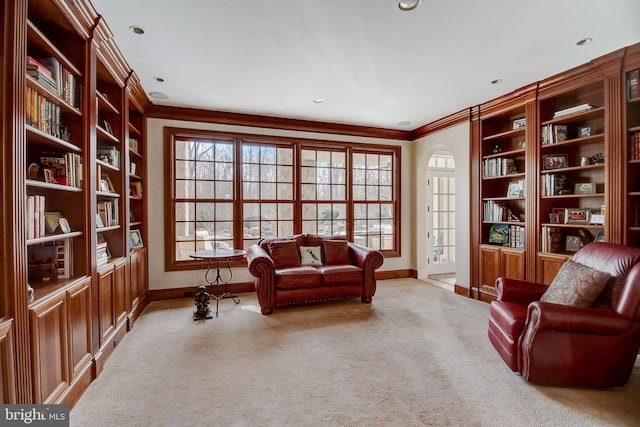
[[557, 344]]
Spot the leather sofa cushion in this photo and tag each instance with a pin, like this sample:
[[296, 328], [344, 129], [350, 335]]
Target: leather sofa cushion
[[576, 285], [298, 277], [284, 253], [333, 275], [336, 252]]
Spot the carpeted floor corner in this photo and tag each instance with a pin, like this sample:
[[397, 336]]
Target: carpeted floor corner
[[417, 356]]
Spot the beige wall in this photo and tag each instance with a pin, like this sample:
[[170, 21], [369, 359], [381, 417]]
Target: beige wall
[[456, 140], [159, 279]]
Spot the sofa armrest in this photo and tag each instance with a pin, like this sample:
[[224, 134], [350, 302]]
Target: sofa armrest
[[365, 258], [263, 270], [519, 291], [547, 316], [259, 261]]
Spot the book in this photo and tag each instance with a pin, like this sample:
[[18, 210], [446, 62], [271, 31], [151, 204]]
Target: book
[[633, 84], [571, 110]]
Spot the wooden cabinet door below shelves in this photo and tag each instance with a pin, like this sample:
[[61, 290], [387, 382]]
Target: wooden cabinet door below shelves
[[79, 305], [512, 263], [106, 320], [7, 366], [548, 266], [49, 350], [489, 267]]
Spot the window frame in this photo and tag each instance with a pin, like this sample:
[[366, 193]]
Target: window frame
[[172, 134]]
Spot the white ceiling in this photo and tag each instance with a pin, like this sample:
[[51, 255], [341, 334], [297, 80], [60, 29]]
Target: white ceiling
[[373, 65]]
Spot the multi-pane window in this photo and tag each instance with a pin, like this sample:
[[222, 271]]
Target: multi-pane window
[[324, 191], [373, 200], [267, 190], [229, 191], [203, 195]]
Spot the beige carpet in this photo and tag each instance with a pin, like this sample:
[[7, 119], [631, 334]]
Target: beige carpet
[[417, 356]]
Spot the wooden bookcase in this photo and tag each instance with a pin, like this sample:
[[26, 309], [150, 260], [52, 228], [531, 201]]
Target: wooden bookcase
[[632, 149], [575, 190], [65, 127]]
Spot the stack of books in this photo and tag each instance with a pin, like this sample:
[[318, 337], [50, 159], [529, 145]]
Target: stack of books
[[572, 110]]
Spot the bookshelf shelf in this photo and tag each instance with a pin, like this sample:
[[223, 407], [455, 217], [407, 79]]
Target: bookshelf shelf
[[54, 237]]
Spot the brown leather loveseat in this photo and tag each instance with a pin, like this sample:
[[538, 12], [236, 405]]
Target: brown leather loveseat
[[306, 268]]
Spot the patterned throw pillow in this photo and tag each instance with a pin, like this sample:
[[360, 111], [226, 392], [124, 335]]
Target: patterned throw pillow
[[576, 285], [310, 255]]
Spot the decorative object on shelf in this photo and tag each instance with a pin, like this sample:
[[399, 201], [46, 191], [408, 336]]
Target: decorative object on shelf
[[499, 234], [516, 189], [584, 131], [585, 161], [497, 149], [597, 159], [555, 161], [572, 244], [51, 221], [554, 218], [600, 237], [33, 172], [576, 216], [519, 123], [597, 218], [585, 188], [560, 213], [64, 225], [135, 239], [522, 145], [107, 127]]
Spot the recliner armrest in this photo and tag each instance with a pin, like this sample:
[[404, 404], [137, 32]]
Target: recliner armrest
[[565, 318], [519, 291]]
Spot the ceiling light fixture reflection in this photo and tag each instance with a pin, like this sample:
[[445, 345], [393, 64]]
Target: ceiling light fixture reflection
[[584, 41], [136, 30], [158, 95], [407, 5]]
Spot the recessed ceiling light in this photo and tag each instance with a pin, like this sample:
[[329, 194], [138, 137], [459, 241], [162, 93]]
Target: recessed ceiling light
[[496, 81], [584, 41], [318, 100], [158, 95], [136, 30], [404, 123], [158, 79], [407, 5]]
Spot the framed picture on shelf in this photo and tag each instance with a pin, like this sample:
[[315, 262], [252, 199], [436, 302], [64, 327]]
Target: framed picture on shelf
[[135, 239], [108, 127], [99, 222], [514, 190], [560, 213], [576, 216], [519, 123], [584, 131], [555, 161], [554, 218], [106, 184], [64, 225], [51, 221], [573, 244], [585, 188], [600, 237], [499, 234]]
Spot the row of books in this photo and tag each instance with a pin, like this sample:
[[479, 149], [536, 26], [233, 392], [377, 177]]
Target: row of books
[[552, 134], [552, 184], [102, 251], [65, 169], [552, 239], [633, 84], [496, 211], [498, 166], [45, 115], [55, 77], [34, 217], [512, 236], [572, 110], [634, 147], [51, 260], [516, 236], [108, 213]]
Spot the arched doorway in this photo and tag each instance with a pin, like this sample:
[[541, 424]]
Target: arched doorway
[[440, 217]]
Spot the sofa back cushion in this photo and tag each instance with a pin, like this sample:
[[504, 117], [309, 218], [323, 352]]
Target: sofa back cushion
[[336, 252], [284, 253]]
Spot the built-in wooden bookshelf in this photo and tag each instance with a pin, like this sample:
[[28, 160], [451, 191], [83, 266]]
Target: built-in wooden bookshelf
[[632, 153], [64, 128]]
